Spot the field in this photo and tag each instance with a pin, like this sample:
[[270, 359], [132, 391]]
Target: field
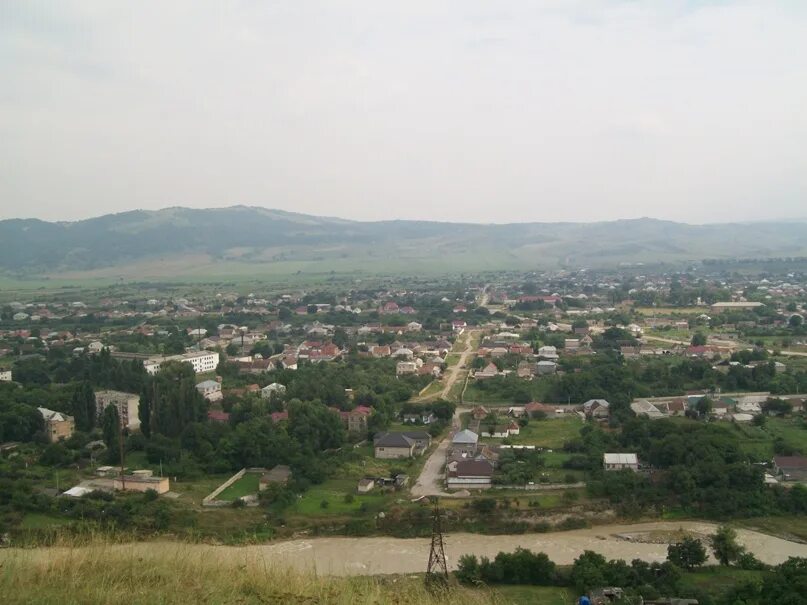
[[341, 498], [172, 574], [758, 442], [245, 486], [552, 433]]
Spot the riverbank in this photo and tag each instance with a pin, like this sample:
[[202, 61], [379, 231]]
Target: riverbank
[[340, 556]]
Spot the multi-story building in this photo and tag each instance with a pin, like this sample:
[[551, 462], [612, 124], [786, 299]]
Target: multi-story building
[[57, 425], [202, 361], [128, 405]]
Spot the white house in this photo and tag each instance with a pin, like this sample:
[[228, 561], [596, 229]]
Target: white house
[[272, 389], [619, 462], [210, 390], [5, 375], [548, 352]]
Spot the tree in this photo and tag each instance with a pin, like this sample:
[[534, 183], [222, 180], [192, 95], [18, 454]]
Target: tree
[[110, 424], [795, 321], [83, 407], [725, 547], [698, 339], [687, 553], [704, 407]]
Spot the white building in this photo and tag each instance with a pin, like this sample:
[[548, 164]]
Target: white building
[[271, 389], [202, 361], [5, 375], [210, 390], [619, 462]]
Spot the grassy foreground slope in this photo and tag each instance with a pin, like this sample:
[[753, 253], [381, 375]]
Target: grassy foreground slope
[[178, 575]]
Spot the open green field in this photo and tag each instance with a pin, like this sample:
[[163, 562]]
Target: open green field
[[543, 595], [245, 486], [758, 442], [452, 359], [334, 493], [793, 527], [552, 433]]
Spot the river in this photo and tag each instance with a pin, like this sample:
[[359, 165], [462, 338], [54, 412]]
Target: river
[[384, 555]]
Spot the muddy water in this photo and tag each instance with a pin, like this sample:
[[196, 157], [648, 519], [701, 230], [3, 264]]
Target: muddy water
[[363, 556]]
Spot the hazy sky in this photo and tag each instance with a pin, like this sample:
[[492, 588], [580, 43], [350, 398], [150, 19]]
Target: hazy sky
[[486, 111]]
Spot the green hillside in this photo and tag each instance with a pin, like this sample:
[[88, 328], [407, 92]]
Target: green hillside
[[188, 243]]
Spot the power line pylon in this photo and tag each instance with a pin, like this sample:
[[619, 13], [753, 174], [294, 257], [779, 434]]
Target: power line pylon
[[437, 570]]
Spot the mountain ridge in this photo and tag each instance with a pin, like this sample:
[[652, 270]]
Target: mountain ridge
[[249, 234]]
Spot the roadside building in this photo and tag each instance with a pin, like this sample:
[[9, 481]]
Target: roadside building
[[469, 474]]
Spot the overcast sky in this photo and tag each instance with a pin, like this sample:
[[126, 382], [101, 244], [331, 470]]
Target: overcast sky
[[484, 111]]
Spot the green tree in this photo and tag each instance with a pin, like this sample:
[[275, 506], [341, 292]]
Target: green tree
[[725, 547], [687, 553], [698, 339], [110, 424]]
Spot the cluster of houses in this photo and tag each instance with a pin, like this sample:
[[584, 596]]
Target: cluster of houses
[[740, 408]]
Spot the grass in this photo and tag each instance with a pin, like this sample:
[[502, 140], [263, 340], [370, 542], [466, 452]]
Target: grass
[[789, 528], [41, 521], [552, 433], [334, 492], [452, 359], [245, 486], [543, 595], [758, 442], [178, 574]]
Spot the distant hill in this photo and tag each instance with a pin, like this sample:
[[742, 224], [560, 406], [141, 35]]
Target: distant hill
[[187, 240]]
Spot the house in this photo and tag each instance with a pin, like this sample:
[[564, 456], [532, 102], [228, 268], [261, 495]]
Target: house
[[141, 482], [273, 389], [218, 416], [57, 425], [596, 408], [421, 418], [465, 441], [414, 326], [127, 403], [791, 468], [279, 416], [279, 475], [210, 390], [380, 351], [458, 325], [545, 367], [646, 409], [355, 420], [5, 375], [403, 368], [403, 353], [479, 412], [619, 462], [365, 485], [501, 431], [489, 371], [469, 474], [396, 445]]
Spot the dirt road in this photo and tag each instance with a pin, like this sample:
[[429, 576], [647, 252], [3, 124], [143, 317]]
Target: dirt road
[[430, 480]]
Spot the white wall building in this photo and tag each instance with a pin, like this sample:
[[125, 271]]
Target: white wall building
[[202, 361]]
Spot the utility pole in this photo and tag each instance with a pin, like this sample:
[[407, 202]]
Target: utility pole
[[437, 569]]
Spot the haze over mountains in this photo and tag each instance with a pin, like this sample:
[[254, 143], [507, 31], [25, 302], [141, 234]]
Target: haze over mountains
[[135, 243]]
